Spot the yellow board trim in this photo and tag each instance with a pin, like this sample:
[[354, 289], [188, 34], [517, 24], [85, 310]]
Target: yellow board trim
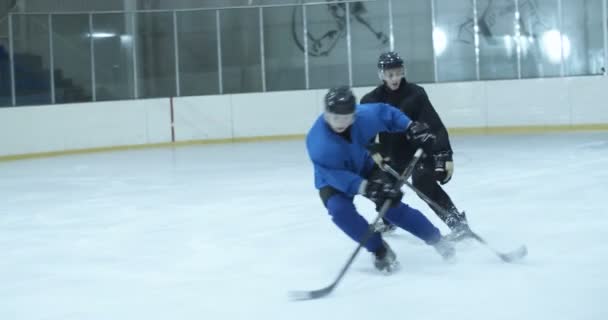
[[454, 131], [149, 146]]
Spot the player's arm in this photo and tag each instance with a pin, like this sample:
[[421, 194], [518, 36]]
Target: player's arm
[[442, 150], [417, 132], [429, 115], [393, 119], [340, 179]]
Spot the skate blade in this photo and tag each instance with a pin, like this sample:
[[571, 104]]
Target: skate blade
[[391, 269]]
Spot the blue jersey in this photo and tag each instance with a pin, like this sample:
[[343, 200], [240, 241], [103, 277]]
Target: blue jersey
[[342, 164]]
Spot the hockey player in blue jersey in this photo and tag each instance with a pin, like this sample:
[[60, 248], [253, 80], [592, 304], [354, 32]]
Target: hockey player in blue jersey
[[343, 168]]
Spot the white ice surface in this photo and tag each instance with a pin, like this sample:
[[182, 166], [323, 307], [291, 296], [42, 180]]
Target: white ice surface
[[225, 231]]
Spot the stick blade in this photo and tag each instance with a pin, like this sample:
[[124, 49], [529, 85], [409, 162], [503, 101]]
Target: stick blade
[[309, 295]]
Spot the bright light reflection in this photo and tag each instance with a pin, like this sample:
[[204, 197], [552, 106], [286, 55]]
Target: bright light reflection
[[440, 41], [552, 47], [101, 35]]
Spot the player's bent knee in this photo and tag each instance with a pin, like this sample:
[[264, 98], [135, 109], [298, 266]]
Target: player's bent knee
[[340, 206]]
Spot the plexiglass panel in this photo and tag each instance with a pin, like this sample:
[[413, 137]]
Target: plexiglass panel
[[541, 44], [134, 54], [72, 57], [327, 50], [283, 50], [413, 31], [583, 35], [453, 39], [113, 56], [5, 68], [32, 59], [241, 62], [198, 57], [155, 54], [497, 39], [370, 37]]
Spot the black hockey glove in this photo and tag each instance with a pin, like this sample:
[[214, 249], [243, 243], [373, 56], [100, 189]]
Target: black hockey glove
[[444, 166], [379, 190], [376, 150], [420, 135]]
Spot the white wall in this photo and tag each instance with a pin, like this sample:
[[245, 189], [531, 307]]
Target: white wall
[[79, 126], [460, 104], [534, 102], [588, 98], [198, 118]]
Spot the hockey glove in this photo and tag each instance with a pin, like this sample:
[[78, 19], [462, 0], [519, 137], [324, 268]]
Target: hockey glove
[[444, 166], [375, 150], [420, 135], [379, 190]]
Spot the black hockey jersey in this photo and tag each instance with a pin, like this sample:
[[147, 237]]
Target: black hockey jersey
[[412, 100]]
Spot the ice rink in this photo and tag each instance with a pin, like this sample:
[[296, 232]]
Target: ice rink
[[226, 231]]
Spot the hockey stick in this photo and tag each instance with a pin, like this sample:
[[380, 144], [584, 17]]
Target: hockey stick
[[320, 293], [511, 256]]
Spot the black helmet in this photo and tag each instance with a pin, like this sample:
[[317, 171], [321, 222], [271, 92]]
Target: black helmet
[[340, 100], [389, 60]]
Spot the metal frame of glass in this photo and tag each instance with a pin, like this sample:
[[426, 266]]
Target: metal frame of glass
[[348, 5], [476, 38], [176, 53], [605, 30], [11, 54], [51, 59], [92, 50], [517, 33]]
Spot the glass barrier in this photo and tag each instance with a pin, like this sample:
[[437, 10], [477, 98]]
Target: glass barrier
[[541, 44], [155, 54], [241, 56], [454, 40], [198, 54], [370, 36], [32, 60], [327, 47], [113, 56], [413, 33], [101, 56], [285, 66], [5, 66], [497, 40], [71, 58], [583, 47]]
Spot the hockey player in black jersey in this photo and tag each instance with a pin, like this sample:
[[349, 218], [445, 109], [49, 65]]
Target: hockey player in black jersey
[[438, 166]]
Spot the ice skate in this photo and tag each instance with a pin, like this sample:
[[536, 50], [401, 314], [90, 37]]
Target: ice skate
[[459, 226], [445, 249], [385, 259]]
